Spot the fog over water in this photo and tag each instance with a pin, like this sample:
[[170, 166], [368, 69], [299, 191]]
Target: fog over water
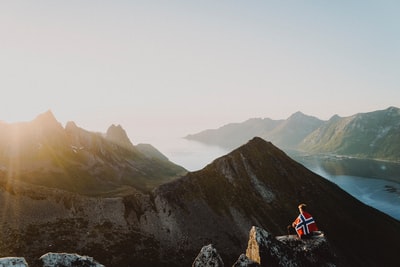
[[191, 155], [374, 183]]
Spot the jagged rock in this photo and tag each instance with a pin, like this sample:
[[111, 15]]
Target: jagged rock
[[68, 260], [268, 250], [244, 261], [13, 262], [314, 251], [117, 135], [208, 257]]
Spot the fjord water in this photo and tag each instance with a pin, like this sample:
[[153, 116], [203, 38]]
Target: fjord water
[[375, 183]]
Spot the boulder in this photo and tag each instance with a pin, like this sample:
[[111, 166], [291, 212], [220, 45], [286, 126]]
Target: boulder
[[68, 260], [244, 261], [13, 262], [208, 257], [314, 251]]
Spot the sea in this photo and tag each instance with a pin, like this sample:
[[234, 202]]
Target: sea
[[375, 183]]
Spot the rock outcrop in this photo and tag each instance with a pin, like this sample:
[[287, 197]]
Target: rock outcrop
[[68, 260], [53, 260], [208, 257], [117, 135], [244, 261], [267, 250], [13, 262]]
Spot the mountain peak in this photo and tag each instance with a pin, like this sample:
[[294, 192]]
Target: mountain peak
[[258, 147], [257, 141], [70, 126], [117, 135], [259, 183], [47, 119], [46, 124], [297, 115], [393, 111], [335, 117], [301, 116]]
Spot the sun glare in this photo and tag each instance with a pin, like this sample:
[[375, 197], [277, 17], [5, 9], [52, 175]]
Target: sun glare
[[17, 117]]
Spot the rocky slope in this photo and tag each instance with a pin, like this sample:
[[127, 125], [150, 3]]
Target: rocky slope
[[256, 184], [42, 152], [368, 135]]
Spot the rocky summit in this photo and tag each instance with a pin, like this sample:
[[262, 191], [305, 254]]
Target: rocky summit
[[256, 184], [266, 250]]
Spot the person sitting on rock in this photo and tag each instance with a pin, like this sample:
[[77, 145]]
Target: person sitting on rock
[[304, 223]]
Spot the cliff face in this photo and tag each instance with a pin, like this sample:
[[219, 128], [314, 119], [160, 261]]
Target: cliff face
[[256, 184]]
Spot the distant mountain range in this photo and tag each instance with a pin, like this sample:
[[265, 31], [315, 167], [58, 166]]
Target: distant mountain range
[[43, 152], [374, 135], [256, 184]]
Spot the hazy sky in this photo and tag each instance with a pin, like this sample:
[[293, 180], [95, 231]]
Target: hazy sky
[[184, 66]]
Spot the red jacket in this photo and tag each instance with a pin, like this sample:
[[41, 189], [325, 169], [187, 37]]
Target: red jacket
[[305, 224]]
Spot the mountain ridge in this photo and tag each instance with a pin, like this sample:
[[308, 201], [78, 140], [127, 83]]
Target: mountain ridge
[[236, 188], [371, 135], [256, 184], [366, 135], [43, 152]]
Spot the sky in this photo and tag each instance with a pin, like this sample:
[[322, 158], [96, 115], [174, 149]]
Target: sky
[[180, 67]]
